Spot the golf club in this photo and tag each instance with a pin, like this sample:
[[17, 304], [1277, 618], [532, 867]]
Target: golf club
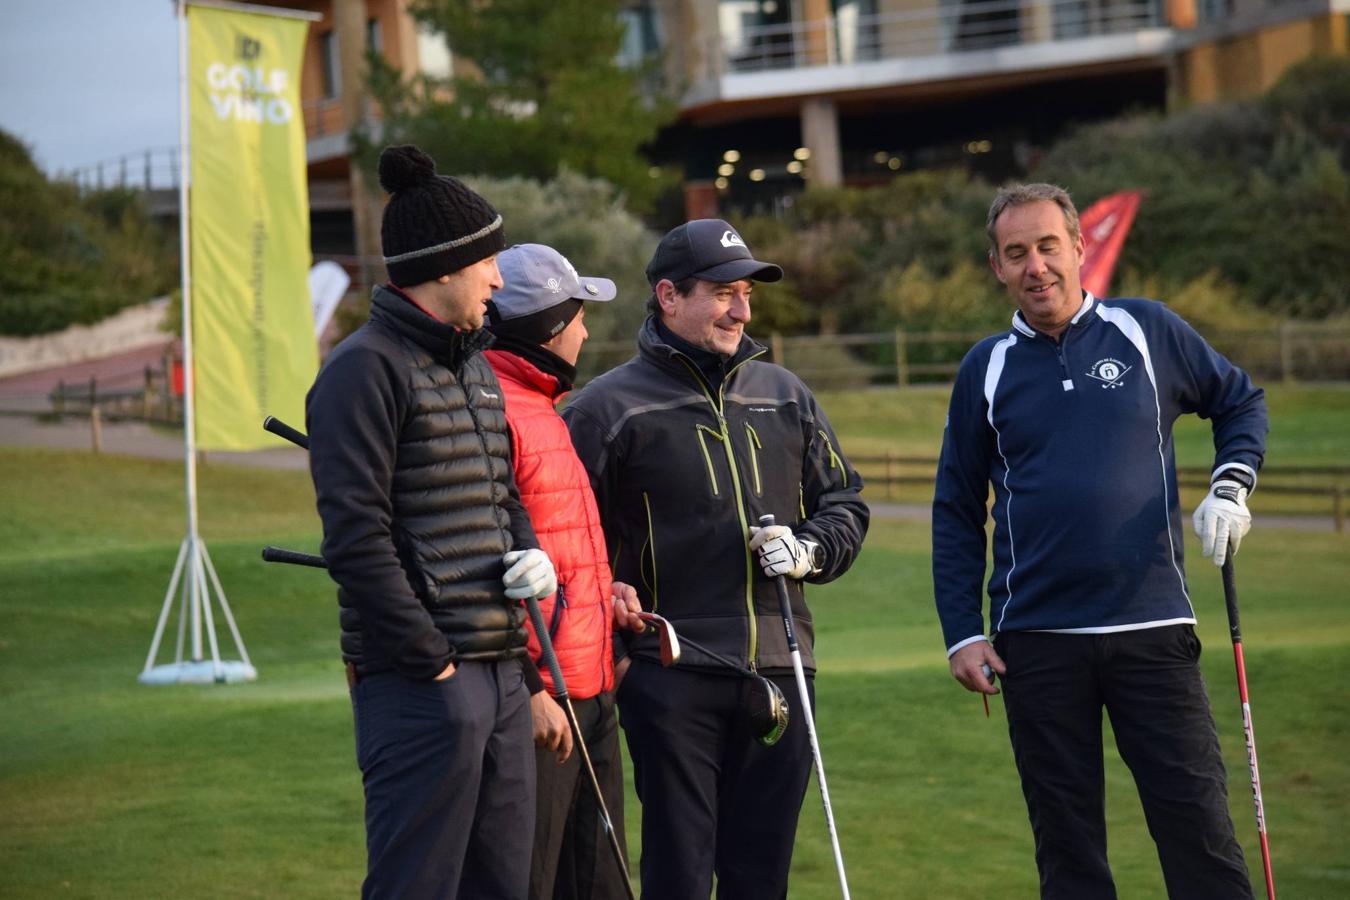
[[560, 688], [281, 429], [769, 713], [294, 557], [785, 605], [1230, 598]]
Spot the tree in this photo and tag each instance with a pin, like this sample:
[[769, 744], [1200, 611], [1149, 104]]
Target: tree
[[70, 259], [539, 91]]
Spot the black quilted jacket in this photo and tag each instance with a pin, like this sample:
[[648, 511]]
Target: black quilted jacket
[[411, 461]]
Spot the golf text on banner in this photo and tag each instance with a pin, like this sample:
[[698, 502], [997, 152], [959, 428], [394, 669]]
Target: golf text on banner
[[253, 330]]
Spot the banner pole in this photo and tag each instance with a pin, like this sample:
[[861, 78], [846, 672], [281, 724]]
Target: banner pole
[[193, 578]]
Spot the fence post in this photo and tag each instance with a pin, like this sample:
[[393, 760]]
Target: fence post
[[890, 473], [901, 359], [147, 394], [1286, 354], [59, 398], [776, 346], [1338, 508], [96, 428]]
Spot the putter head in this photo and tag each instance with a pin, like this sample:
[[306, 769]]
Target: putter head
[[670, 641]]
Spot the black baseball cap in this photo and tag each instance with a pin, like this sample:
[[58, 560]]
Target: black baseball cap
[[709, 249]]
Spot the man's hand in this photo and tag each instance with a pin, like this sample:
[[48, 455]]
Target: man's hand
[[551, 729], [1221, 518], [529, 573], [447, 672], [968, 667], [781, 552], [626, 607]]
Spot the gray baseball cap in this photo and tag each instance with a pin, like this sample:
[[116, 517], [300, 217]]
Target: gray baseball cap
[[536, 278]]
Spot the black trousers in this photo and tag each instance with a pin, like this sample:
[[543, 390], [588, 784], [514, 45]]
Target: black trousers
[[714, 800], [448, 769], [572, 856], [1150, 685]]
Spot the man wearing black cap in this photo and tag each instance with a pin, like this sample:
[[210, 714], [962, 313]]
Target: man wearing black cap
[[538, 316], [432, 552], [687, 445]]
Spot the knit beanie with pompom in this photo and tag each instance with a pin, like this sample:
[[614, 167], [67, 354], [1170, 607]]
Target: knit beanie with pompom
[[433, 224]]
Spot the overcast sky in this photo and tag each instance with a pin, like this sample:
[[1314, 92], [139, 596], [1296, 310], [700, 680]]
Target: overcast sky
[[83, 81]]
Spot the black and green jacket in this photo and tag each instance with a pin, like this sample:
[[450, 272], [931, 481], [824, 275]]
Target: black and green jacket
[[681, 470]]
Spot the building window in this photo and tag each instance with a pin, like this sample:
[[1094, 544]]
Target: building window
[[374, 37], [641, 34], [328, 63]]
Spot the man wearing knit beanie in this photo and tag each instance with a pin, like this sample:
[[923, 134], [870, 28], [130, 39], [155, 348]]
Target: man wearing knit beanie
[[432, 552], [538, 316]]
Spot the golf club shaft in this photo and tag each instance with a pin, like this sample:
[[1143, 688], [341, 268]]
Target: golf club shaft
[[1235, 629], [785, 606], [560, 687], [281, 429]]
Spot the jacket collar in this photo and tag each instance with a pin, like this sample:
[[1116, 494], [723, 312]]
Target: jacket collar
[[654, 348], [511, 366], [1020, 324], [448, 344]]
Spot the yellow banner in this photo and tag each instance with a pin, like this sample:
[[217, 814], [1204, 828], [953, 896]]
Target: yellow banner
[[252, 326]]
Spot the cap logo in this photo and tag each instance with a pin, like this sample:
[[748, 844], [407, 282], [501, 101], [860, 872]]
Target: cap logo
[[553, 285], [731, 239], [592, 289]]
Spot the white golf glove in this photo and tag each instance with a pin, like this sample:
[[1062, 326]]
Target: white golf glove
[[783, 553], [1221, 518], [529, 573]]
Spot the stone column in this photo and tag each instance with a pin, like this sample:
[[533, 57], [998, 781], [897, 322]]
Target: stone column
[[820, 135]]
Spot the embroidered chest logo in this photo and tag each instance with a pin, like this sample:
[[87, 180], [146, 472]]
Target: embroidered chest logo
[[1110, 372]]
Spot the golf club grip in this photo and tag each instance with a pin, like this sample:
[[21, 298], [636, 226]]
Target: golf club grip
[[546, 647], [281, 429], [1230, 597], [784, 603], [294, 557]]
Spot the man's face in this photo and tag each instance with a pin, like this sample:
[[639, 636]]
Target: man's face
[[712, 316], [567, 343], [462, 296], [1038, 263]]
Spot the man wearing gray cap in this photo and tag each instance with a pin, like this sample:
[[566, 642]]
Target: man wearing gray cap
[[687, 445], [538, 317]]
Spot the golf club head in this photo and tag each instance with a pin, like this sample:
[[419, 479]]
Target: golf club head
[[670, 641], [768, 711]]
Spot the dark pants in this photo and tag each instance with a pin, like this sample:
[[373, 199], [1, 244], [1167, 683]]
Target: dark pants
[[572, 856], [448, 768], [713, 798], [1150, 685]]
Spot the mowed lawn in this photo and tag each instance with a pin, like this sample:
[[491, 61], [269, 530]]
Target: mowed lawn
[[112, 789]]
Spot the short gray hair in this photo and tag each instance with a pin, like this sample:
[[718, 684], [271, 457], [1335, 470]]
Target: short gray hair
[[1019, 194]]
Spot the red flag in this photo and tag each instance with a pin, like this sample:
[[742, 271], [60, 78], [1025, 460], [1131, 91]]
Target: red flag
[[1104, 225]]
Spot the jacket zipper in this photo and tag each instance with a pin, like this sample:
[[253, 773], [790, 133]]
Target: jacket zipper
[[651, 544], [700, 429], [559, 604], [752, 439], [718, 405]]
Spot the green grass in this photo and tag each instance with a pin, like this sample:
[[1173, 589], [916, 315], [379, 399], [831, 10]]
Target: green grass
[[109, 789]]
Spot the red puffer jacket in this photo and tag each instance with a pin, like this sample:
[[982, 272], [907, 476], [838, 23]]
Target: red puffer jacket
[[557, 494]]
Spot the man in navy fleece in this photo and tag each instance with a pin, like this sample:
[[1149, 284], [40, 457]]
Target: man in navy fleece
[[1069, 415]]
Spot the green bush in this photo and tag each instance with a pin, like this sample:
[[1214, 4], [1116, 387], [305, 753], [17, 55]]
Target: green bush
[[68, 259]]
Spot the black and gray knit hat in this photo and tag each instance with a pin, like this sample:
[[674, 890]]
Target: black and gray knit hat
[[433, 224]]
